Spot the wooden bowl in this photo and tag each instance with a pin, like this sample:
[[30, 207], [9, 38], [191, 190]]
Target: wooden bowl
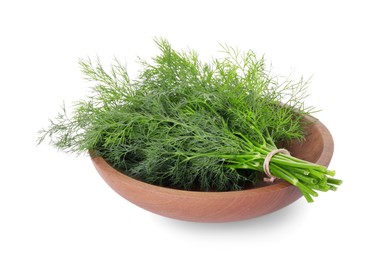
[[221, 206]]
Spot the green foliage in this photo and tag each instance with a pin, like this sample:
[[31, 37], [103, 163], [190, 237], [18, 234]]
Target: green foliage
[[190, 125]]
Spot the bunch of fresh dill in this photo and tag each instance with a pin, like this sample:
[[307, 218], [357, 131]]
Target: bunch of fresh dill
[[191, 125]]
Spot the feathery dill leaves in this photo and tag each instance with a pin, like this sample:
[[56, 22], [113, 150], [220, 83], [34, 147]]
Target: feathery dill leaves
[[190, 125]]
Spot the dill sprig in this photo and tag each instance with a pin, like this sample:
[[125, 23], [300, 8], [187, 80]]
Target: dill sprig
[[191, 125]]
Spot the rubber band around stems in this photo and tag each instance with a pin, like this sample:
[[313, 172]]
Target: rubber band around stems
[[266, 169]]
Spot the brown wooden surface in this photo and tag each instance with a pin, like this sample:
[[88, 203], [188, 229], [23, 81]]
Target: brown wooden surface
[[220, 206]]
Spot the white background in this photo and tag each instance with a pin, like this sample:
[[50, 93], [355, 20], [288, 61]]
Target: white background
[[55, 206]]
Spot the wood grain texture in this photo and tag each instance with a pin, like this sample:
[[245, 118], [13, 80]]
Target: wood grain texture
[[221, 206]]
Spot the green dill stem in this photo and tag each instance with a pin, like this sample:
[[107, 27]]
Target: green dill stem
[[284, 176], [323, 182], [278, 172], [296, 182], [307, 197], [283, 158], [321, 188], [334, 181], [291, 161], [304, 165], [305, 178], [299, 169], [331, 173], [316, 174]]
